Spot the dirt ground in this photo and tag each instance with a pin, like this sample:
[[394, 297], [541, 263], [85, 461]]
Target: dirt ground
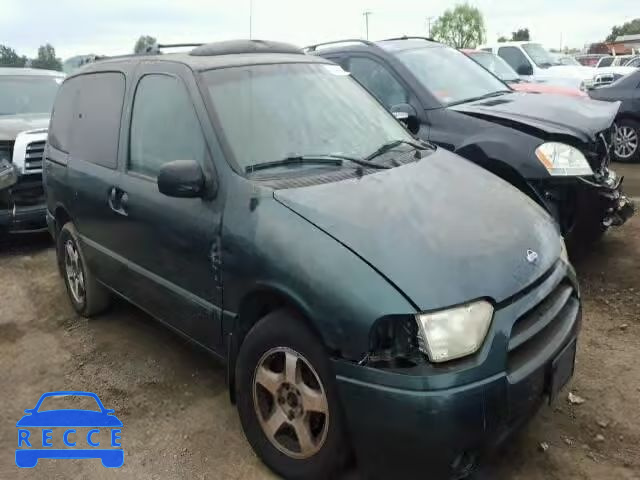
[[172, 399]]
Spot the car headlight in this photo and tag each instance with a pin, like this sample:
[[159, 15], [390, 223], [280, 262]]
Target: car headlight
[[455, 332], [561, 159]]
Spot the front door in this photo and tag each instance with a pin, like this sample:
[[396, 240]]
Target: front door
[[169, 244]]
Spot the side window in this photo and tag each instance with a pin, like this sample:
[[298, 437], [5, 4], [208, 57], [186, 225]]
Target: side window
[[514, 57], [62, 116], [378, 80], [605, 62], [96, 123], [634, 63], [164, 126]]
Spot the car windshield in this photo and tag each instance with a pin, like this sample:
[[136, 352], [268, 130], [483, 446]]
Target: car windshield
[[539, 55], [271, 112], [24, 94], [568, 60], [450, 75], [496, 65]]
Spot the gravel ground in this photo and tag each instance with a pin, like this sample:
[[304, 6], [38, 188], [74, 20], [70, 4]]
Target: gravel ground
[[178, 422]]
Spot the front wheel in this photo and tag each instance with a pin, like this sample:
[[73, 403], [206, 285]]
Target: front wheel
[[627, 141], [287, 399]]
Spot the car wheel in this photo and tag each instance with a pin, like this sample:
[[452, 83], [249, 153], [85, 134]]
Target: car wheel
[[287, 399], [627, 141], [88, 297]]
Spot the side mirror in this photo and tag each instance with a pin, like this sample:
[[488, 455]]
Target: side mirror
[[525, 70], [182, 179], [406, 114]]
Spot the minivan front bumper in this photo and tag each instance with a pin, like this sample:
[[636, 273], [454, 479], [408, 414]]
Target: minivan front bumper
[[404, 432]]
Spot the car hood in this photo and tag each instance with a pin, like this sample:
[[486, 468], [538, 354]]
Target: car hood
[[555, 115], [615, 70], [534, 87], [69, 418], [442, 230], [12, 125]]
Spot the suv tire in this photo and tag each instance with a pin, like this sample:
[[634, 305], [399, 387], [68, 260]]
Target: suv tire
[[629, 134], [278, 340], [88, 297]]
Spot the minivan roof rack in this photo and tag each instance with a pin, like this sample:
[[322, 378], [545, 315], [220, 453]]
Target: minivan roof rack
[[156, 47], [408, 37], [312, 48], [232, 47]]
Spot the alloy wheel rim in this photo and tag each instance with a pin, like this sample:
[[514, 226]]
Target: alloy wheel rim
[[290, 403], [73, 269], [626, 142]]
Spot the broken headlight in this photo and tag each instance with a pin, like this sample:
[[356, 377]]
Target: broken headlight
[[455, 332], [561, 159]]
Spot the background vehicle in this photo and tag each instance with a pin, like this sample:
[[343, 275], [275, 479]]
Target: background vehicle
[[533, 62], [457, 104], [627, 91], [590, 59], [291, 278], [508, 75], [26, 99]]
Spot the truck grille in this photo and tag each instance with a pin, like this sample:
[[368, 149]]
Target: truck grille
[[542, 326], [33, 157]]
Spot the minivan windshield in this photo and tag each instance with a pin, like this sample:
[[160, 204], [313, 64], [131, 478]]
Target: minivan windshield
[[539, 55], [450, 75], [24, 94], [496, 65], [268, 113]]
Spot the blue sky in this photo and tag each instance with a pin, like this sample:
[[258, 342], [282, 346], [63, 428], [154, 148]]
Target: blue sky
[[111, 27]]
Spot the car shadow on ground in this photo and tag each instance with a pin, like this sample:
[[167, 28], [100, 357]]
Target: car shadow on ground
[[24, 243]]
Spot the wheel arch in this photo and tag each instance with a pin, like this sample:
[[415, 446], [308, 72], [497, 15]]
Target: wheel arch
[[253, 306]]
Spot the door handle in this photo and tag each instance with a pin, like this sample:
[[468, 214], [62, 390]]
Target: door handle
[[117, 200]]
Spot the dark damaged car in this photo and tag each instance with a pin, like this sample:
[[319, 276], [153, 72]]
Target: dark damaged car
[[368, 292], [556, 149], [26, 100]]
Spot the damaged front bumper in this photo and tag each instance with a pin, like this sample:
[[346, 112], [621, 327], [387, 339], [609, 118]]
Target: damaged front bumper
[[616, 207], [22, 204]]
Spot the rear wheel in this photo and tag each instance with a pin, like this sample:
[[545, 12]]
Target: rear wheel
[[287, 399], [88, 297], [627, 141]]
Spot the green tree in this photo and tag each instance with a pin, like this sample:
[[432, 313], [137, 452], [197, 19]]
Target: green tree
[[502, 39], [47, 59], [144, 42], [9, 57], [629, 28], [521, 35], [462, 27]]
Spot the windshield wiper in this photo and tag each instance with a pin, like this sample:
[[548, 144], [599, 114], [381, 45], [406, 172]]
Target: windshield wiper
[[391, 145], [324, 159], [497, 93]]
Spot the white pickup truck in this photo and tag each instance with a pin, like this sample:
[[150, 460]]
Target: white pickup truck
[[534, 63], [26, 100]]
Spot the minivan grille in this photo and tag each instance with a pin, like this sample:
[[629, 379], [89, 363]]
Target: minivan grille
[[537, 328], [33, 156]]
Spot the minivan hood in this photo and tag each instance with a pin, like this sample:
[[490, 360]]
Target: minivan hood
[[442, 230], [552, 114], [12, 125]]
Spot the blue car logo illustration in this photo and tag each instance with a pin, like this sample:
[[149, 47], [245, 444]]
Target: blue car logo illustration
[[34, 445]]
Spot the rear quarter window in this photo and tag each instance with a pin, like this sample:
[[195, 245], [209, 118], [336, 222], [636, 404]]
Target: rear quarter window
[[96, 120], [62, 116]]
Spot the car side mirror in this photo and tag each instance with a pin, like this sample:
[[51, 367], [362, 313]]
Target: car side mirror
[[406, 114], [182, 179], [525, 70]]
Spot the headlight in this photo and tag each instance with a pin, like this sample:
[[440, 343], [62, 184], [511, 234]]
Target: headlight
[[561, 159], [454, 333]]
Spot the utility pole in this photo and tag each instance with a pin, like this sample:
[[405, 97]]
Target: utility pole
[[366, 21], [250, 19], [428, 19]]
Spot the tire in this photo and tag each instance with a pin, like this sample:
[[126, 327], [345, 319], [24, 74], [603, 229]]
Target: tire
[[627, 143], [87, 296], [276, 338]]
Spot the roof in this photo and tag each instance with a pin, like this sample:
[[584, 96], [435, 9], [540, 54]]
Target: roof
[[628, 38], [30, 71], [234, 53], [390, 45], [505, 44]]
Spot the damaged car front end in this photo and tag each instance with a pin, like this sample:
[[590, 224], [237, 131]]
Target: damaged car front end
[[22, 201]]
